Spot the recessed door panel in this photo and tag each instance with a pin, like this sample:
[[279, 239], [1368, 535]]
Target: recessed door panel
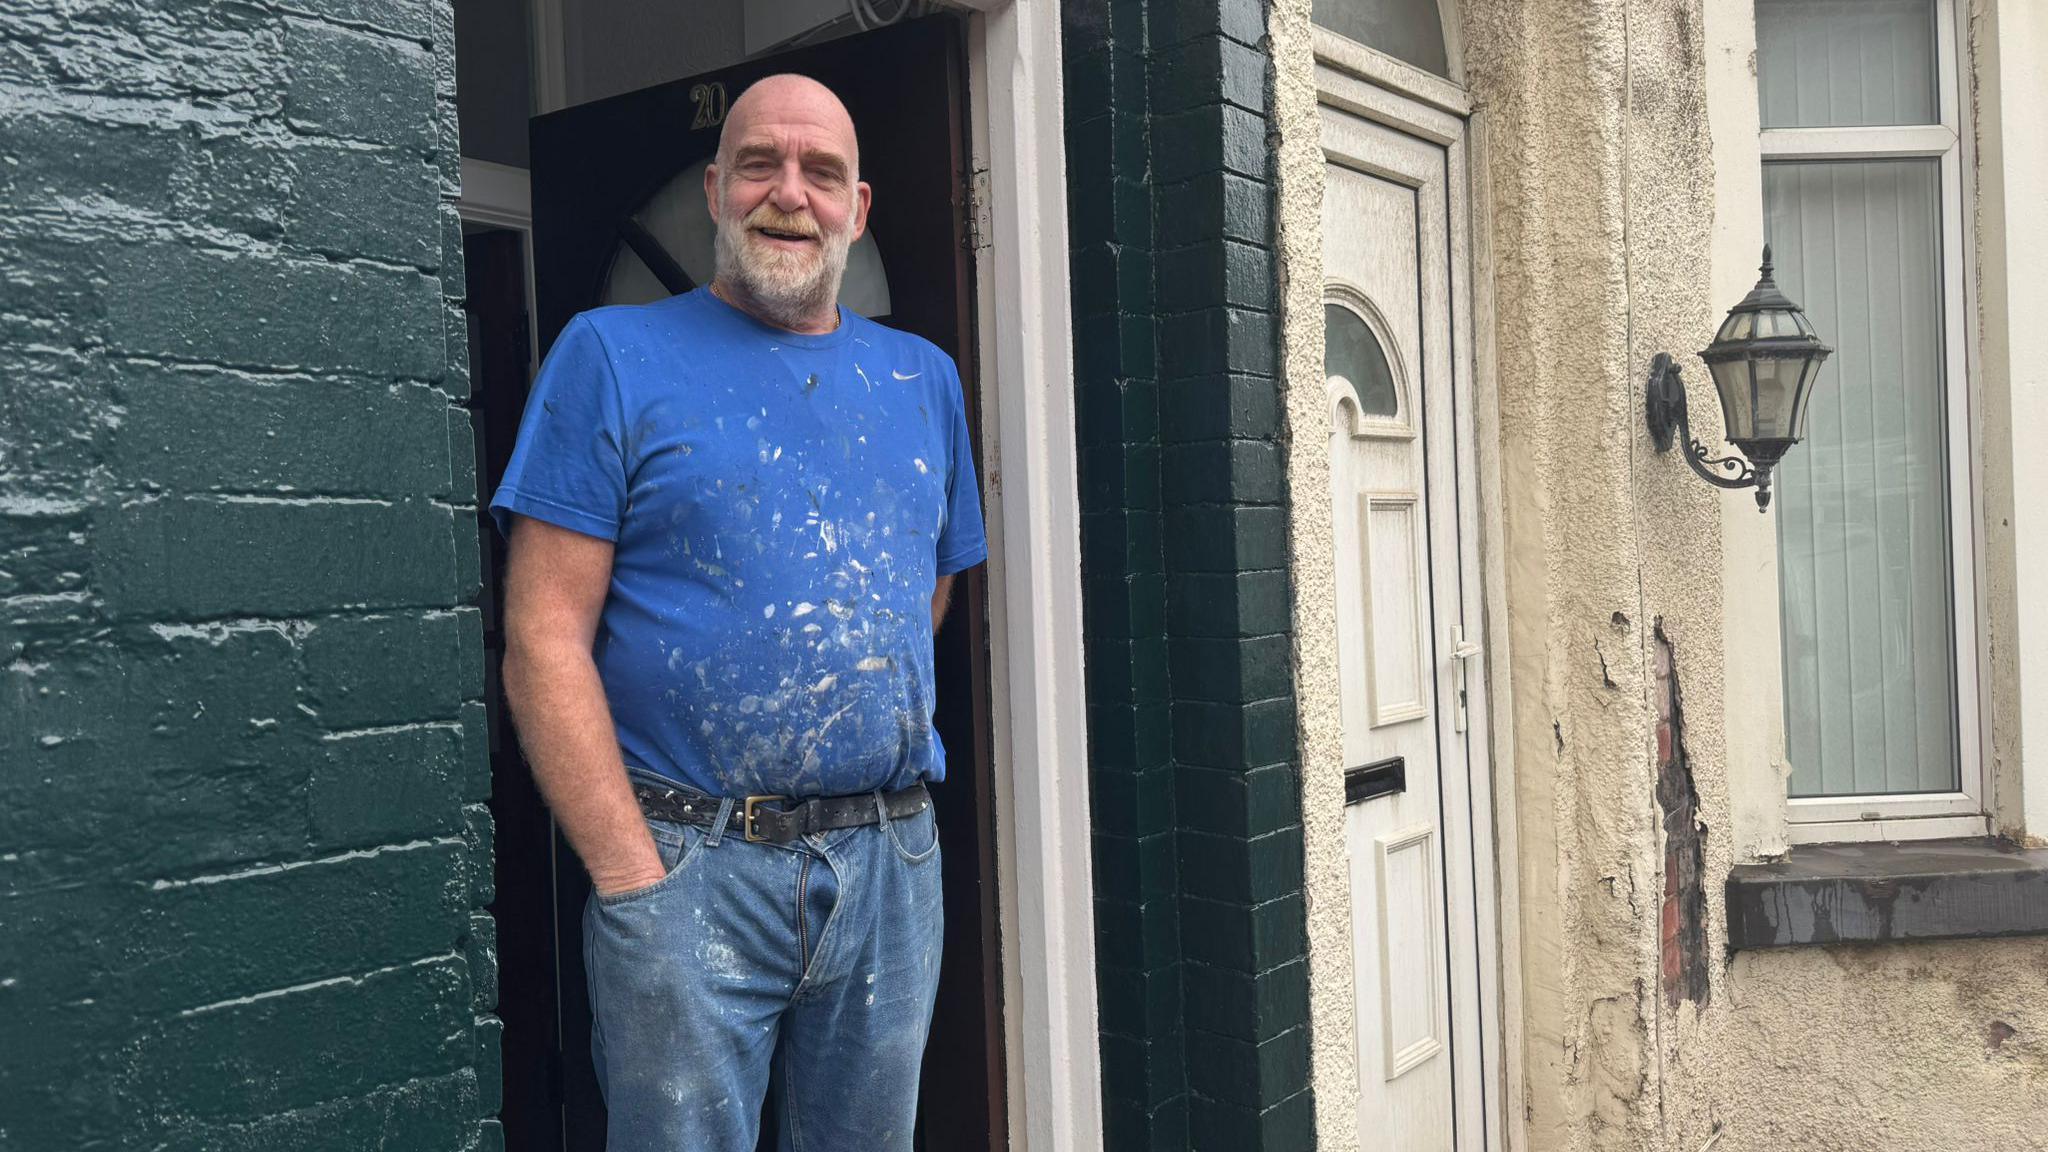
[[1411, 995]]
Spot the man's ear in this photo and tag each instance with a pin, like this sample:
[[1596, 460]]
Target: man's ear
[[711, 189], [862, 197]]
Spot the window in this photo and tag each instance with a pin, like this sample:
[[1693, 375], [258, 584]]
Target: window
[[1863, 204], [1410, 30]]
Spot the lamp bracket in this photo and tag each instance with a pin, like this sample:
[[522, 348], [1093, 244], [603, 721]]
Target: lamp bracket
[[1664, 409]]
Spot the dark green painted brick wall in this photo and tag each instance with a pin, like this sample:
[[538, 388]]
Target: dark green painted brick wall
[[243, 849], [1200, 916]]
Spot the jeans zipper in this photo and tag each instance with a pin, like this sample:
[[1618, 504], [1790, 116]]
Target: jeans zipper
[[803, 934]]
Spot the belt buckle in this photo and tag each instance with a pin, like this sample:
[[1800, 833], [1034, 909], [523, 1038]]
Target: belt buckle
[[747, 817]]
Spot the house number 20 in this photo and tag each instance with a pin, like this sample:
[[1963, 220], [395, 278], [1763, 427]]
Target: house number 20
[[710, 100]]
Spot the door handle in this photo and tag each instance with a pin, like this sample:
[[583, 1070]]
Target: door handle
[[1462, 652]]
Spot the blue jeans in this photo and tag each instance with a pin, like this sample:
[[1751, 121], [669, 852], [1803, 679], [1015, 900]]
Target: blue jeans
[[806, 968]]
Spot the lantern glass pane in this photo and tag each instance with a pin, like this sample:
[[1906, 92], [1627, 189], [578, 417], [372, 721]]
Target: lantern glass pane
[[1864, 538], [1738, 406], [1777, 388], [1810, 371], [1738, 326]]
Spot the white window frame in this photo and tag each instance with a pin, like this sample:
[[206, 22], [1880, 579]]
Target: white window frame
[[1923, 815]]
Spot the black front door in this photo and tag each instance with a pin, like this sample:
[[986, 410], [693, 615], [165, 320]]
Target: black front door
[[619, 217]]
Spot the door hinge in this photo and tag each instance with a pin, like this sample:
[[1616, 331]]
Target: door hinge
[[980, 224]]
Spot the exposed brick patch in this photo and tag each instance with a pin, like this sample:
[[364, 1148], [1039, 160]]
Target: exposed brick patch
[[1683, 922]]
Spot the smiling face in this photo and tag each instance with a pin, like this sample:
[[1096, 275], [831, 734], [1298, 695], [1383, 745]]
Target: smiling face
[[787, 196]]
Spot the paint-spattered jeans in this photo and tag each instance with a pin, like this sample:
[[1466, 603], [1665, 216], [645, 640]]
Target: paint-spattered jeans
[[805, 969]]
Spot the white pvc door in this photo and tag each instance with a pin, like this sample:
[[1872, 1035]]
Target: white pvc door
[[1395, 356]]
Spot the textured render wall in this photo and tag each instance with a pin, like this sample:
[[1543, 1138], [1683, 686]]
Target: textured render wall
[[1617, 233], [1868, 1049], [1584, 515], [1858, 1049], [1311, 544], [242, 849]]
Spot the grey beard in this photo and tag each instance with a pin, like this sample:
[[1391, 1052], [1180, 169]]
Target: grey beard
[[785, 304]]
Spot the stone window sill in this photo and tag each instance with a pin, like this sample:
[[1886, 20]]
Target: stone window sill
[[1877, 893]]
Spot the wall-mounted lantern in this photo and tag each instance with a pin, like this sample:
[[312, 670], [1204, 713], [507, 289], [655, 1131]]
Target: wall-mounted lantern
[[1764, 360]]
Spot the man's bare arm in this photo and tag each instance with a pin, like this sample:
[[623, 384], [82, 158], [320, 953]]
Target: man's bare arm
[[942, 594], [555, 586]]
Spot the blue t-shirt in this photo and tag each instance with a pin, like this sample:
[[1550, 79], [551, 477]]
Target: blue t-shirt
[[780, 507]]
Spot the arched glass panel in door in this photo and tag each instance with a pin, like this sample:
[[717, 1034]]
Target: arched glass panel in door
[[1352, 354], [1410, 30]]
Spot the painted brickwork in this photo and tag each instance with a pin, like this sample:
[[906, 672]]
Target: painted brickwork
[[1198, 859], [243, 852]]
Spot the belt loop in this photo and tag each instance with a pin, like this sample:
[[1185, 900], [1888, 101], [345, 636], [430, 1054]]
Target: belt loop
[[882, 809], [718, 825]]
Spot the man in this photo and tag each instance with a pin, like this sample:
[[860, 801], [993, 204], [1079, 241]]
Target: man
[[735, 516]]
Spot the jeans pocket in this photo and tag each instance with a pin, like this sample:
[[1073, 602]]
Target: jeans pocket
[[677, 843], [916, 837]]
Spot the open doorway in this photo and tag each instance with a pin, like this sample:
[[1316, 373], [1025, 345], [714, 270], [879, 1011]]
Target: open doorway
[[615, 191]]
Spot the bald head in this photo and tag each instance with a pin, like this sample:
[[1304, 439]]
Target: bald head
[[775, 105]]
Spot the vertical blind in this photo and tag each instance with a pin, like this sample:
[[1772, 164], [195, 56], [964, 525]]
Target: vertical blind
[[1842, 63], [1863, 526]]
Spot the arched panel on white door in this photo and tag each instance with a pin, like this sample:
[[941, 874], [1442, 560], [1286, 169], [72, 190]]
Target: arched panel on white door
[[1362, 362]]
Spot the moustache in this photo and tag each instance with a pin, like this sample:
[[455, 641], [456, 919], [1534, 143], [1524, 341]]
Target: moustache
[[771, 219]]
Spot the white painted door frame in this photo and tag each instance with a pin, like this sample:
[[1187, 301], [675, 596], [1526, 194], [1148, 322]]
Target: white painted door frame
[[1046, 902], [1046, 896]]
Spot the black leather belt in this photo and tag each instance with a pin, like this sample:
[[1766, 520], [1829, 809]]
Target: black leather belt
[[758, 818]]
